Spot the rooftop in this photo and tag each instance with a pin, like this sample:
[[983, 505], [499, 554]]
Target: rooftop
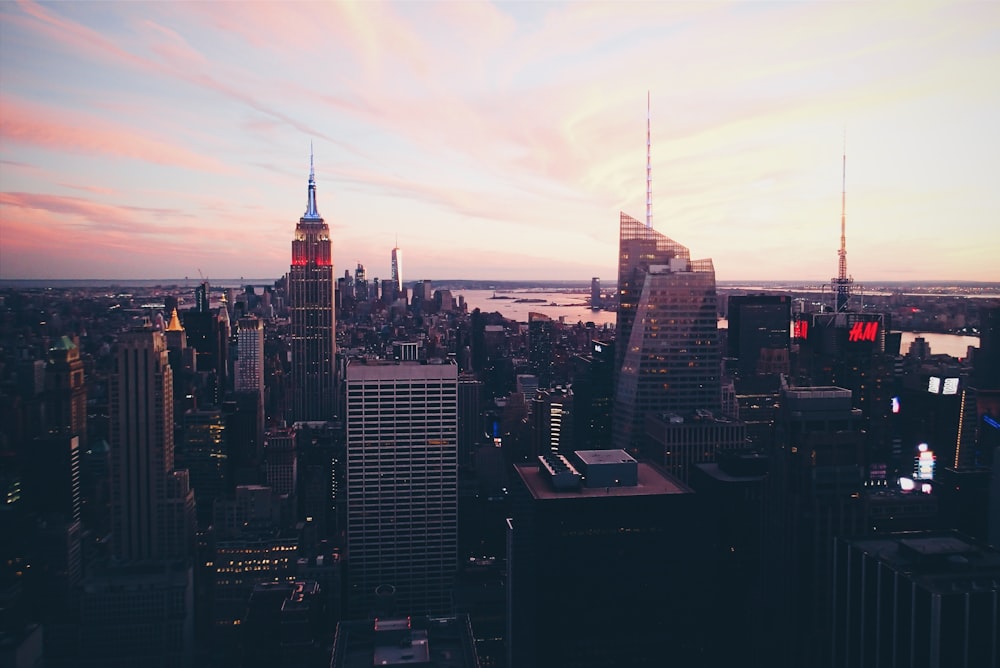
[[652, 482]]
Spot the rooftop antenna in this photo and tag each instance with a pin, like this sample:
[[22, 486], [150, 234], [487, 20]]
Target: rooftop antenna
[[649, 171], [842, 284]]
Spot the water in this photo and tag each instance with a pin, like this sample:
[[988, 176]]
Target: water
[[572, 307]]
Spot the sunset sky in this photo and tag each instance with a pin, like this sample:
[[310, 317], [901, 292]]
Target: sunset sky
[[499, 140]]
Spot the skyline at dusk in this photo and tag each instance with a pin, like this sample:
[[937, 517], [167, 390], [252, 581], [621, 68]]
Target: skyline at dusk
[[498, 140]]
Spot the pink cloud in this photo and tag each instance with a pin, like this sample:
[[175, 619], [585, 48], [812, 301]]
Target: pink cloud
[[33, 125]]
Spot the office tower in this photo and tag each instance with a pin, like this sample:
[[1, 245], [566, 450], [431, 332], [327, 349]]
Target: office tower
[[397, 270], [541, 333], [667, 348], [203, 453], [360, 284], [470, 417], [925, 598], [321, 458], [731, 491], [601, 553], [51, 467], [65, 390], [152, 504], [201, 298], [758, 323], [249, 376], [814, 494], [552, 421], [311, 288], [402, 483], [595, 293], [678, 441], [280, 461], [987, 361], [593, 379]]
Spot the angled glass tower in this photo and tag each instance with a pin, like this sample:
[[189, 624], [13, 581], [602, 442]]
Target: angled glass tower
[[667, 350], [311, 286]]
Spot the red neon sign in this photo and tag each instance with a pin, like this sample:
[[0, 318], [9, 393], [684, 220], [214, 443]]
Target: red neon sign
[[801, 329], [863, 331]]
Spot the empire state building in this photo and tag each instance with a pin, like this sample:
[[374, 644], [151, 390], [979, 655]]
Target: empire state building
[[311, 287]]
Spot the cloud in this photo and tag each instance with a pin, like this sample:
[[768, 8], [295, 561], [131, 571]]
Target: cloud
[[35, 125]]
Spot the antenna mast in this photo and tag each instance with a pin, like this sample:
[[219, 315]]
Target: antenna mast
[[649, 170], [842, 284]]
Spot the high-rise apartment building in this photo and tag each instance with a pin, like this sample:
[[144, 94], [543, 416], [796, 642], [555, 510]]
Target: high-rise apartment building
[[311, 286], [249, 375], [402, 483], [152, 504], [667, 349]]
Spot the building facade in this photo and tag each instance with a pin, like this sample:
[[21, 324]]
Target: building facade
[[152, 504], [311, 287], [667, 350], [249, 374], [402, 483]]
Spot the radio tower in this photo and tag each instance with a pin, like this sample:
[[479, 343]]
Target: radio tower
[[649, 171], [842, 284]]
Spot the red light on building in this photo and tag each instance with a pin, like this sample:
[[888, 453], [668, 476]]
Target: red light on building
[[863, 331], [800, 329]]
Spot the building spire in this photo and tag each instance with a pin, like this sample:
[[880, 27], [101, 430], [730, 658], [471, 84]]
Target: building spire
[[649, 170], [312, 213], [842, 283]]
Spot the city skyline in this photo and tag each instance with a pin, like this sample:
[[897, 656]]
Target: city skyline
[[498, 141]]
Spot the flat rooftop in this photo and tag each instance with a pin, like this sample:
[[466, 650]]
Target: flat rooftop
[[591, 457], [651, 482], [940, 561]]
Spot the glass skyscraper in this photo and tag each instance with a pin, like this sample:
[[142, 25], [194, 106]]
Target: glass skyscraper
[[667, 350]]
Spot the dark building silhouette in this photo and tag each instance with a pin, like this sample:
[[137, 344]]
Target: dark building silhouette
[[757, 323], [916, 599], [604, 565], [593, 382], [814, 494]]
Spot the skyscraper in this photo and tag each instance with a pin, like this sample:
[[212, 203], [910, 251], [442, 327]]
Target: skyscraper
[[152, 504], [397, 270], [249, 374], [667, 348], [311, 286], [402, 483]]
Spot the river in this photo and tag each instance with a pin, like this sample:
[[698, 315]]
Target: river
[[572, 307]]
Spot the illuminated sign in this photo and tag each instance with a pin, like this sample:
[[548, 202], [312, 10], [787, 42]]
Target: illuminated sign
[[800, 329], [950, 386], [895, 404], [598, 348], [934, 385], [863, 331], [923, 468]]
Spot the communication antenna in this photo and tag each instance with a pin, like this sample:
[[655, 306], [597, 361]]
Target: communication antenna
[[649, 170]]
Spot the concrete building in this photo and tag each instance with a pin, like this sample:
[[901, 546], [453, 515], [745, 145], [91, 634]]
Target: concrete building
[[402, 483]]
